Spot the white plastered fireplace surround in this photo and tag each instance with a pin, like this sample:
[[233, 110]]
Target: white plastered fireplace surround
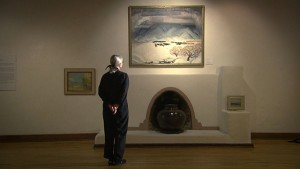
[[207, 95]]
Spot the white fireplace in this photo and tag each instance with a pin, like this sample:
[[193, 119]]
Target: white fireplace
[[206, 97]]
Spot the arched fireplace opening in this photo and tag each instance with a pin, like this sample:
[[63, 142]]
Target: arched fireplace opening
[[171, 101], [176, 99]]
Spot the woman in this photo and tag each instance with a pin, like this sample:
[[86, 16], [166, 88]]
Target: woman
[[113, 92]]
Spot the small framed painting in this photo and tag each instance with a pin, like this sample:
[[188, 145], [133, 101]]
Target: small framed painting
[[79, 81], [236, 103]]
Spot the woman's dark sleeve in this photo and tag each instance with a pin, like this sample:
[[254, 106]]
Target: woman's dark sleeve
[[101, 89], [124, 89]]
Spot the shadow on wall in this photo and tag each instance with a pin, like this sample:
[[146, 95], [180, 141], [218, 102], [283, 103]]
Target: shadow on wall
[[232, 83]]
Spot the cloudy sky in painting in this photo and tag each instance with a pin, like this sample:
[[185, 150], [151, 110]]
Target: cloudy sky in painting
[[143, 17], [145, 22]]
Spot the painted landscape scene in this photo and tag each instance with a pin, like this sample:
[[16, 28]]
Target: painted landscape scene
[[80, 81], [166, 36]]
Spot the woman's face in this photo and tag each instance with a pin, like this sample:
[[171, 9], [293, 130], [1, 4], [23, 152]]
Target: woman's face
[[121, 65]]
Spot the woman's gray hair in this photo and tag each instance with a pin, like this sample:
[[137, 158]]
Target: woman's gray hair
[[115, 61]]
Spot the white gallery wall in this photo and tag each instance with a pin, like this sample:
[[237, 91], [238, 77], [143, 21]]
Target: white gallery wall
[[46, 36]]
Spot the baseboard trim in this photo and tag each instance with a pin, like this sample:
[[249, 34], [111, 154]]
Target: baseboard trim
[[91, 136], [275, 135], [185, 145], [47, 137]]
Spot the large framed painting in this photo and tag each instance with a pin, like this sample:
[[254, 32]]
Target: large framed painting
[[166, 36], [79, 81]]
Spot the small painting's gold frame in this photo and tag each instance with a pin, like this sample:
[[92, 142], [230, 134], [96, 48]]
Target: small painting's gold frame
[[79, 81], [236, 103]]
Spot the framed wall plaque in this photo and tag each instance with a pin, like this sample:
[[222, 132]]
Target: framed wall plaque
[[166, 36]]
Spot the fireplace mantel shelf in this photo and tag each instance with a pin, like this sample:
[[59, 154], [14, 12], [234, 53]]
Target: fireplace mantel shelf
[[154, 137], [235, 129]]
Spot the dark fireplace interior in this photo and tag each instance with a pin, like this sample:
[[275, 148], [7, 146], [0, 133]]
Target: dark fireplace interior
[[166, 98]]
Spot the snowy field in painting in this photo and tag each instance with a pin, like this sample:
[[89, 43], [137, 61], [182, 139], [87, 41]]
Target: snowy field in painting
[[147, 53]]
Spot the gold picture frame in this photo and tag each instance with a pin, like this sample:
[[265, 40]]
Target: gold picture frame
[[79, 81], [166, 36], [235, 102]]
